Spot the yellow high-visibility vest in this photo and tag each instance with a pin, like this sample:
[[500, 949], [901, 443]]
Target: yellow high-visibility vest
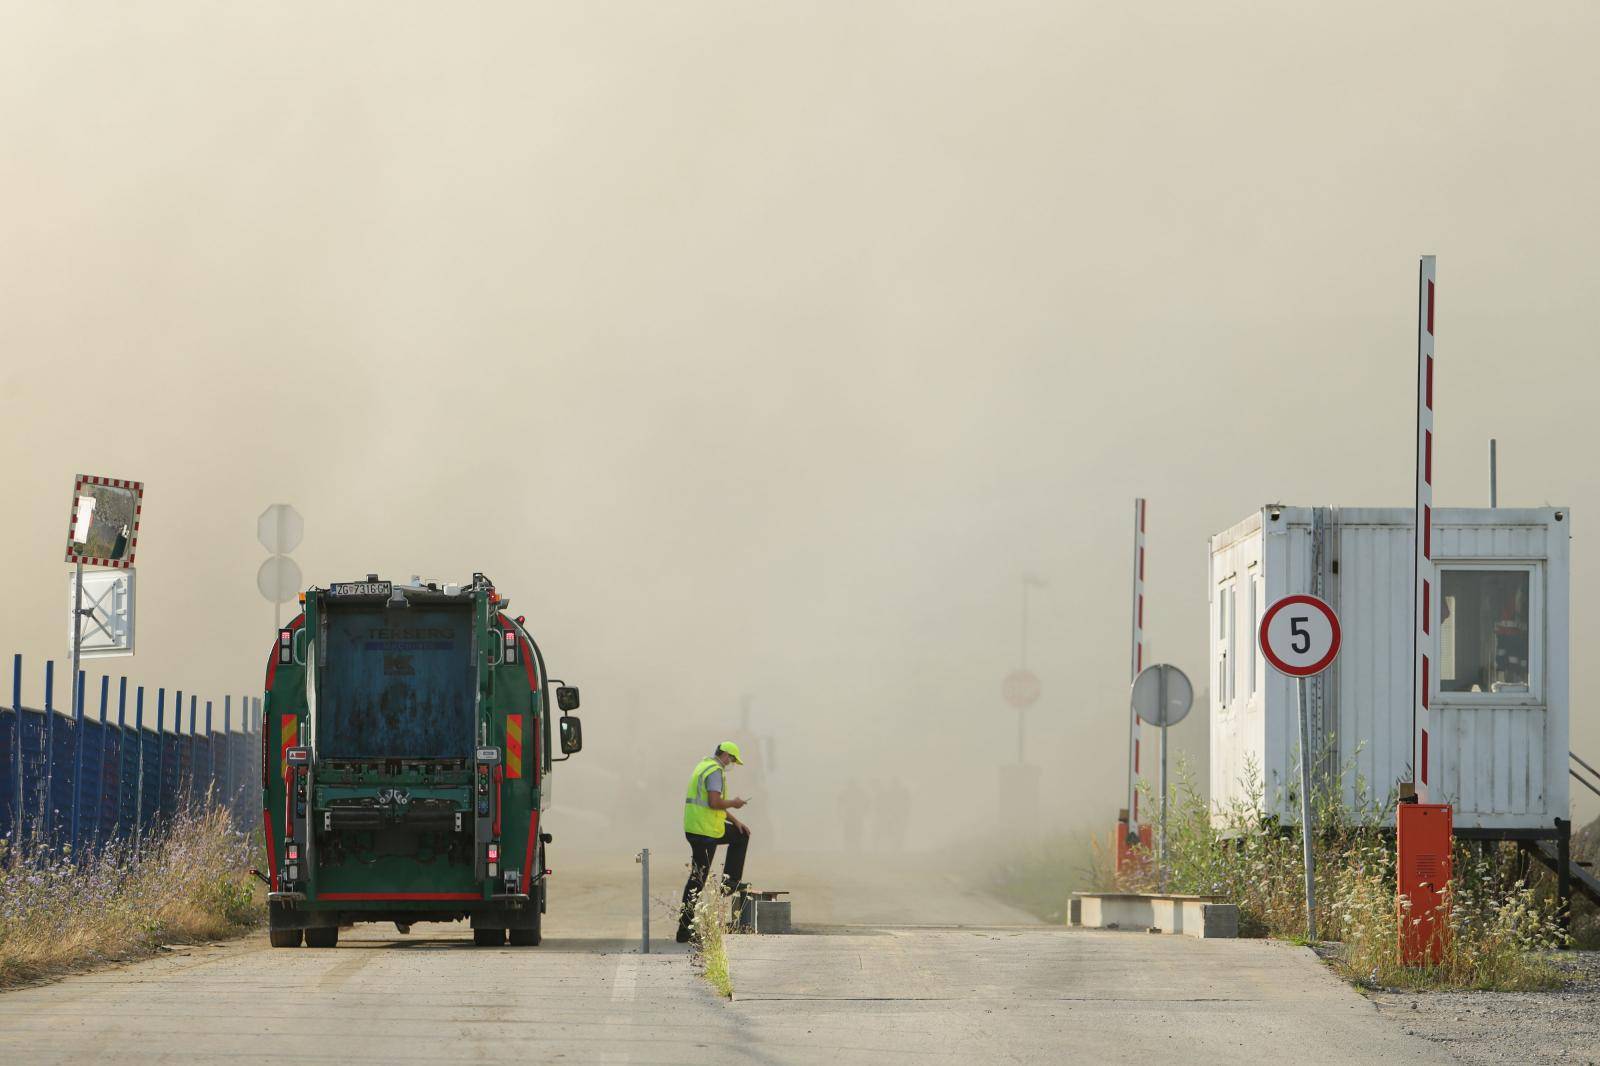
[[698, 817]]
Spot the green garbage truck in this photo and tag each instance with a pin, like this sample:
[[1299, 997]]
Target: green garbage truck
[[406, 761]]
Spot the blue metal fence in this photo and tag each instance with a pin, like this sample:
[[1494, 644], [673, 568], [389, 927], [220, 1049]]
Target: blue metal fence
[[110, 773]]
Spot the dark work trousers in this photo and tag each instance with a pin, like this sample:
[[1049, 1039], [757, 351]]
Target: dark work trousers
[[704, 852]]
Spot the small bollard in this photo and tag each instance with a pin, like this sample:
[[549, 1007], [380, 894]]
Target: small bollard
[[643, 859]]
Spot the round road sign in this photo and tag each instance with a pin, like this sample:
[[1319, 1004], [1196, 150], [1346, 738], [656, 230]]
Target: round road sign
[[1162, 694], [279, 579], [1021, 689], [1299, 635]]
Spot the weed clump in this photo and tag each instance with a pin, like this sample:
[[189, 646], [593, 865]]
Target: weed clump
[[185, 883], [710, 925], [1501, 927]]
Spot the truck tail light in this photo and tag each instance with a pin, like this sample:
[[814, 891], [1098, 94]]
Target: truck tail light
[[285, 647], [494, 860], [294, 871], [511, 647], [294, 852]]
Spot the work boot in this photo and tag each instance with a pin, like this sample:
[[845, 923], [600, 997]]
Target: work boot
[[685, 934]]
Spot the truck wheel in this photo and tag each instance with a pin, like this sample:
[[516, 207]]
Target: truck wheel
[[487, 938], [283, 938], [326, 936]]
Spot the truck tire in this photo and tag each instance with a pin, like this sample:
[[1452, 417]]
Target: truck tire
[[283, 938], [326, 936], [527, 938], [486, 938]]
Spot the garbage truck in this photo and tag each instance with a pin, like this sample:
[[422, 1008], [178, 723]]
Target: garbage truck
[[406, 762]]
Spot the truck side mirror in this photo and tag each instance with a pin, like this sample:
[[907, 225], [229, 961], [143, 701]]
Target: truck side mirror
[[567, 697], [571, 735]]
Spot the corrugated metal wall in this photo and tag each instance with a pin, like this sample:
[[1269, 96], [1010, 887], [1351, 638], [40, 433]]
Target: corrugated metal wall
[[1500, 759]]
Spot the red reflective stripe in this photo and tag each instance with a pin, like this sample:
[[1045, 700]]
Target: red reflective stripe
[[1430, 383], [513, 746], [1424, 687], [1424, 756], [1427, 613], [1430, 320], [398, 895], [497, 776], [1427, 532], [528, 872], [1427, 456]]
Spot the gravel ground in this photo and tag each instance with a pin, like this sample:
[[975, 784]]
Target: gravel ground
[[1499, 1027]]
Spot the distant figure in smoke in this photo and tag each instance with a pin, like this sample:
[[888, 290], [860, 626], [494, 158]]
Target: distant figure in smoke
[[853, 801], [895, 814], [707, 823]]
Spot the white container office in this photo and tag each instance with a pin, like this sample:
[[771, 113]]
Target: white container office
[[1498, 746]]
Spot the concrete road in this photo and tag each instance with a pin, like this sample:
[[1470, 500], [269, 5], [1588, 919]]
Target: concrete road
[[865, 990]]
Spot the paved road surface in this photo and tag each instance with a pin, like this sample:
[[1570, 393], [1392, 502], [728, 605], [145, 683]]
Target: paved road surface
[[880, 986]]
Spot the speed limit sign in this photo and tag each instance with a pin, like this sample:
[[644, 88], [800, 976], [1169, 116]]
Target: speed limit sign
[[1300, 635]]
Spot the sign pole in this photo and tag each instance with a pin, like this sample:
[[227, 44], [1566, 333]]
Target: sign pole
[[1305, 808], [77, 698], [1163, 781], [1300, 637]]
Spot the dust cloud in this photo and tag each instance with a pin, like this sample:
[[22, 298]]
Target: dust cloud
[[758, 350]]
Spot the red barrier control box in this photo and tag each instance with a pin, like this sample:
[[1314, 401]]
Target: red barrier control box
[[1423, 839], [1130, 860]]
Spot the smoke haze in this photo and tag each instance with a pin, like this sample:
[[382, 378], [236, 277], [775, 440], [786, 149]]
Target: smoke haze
[[758, 350]]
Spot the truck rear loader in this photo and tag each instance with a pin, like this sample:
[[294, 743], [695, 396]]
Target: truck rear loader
[[405, 763]]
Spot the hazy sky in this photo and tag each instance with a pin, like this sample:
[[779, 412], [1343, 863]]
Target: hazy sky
[[757, 349]]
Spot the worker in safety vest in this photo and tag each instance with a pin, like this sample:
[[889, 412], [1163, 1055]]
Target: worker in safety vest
[[707, 822]]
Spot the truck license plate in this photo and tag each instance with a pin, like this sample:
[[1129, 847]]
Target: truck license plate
[[361, 588]]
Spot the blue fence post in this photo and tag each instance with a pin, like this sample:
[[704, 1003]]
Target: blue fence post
[[77, 760], [18, 819], [138, 796], [45, 820], [211, 753], [227, 752], [194, 771], [100, 765], [122, 740], [161, 750]]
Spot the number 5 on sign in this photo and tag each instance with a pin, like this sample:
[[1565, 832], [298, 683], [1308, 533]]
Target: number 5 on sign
[[1299, 635]]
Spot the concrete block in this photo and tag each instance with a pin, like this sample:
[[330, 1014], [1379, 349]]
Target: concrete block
[[766, 916], [1197, 916]]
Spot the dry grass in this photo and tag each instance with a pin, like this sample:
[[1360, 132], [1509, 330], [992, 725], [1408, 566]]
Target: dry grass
[[189, 883], [1501, 929]]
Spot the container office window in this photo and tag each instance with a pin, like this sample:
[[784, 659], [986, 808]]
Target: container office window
[[1255, 623], [1488, 632], [1233, 629], [1224, 595]]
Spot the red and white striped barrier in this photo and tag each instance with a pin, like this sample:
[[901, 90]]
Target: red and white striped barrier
[[1423, 604], [1136, 662]]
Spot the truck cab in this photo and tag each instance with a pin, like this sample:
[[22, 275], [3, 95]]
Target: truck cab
[[406, 762]]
